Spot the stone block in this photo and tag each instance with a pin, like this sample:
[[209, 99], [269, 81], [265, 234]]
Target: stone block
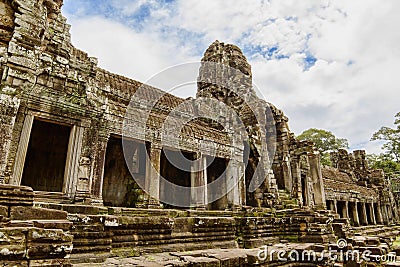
[[3, 211], [31, 213], [50, 263], [53, 224], [48, 243], [14, 263], [12, 195], [84, 209], [12, 244], [201, 261]]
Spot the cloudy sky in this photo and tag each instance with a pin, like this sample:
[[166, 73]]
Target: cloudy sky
[[328, 64]]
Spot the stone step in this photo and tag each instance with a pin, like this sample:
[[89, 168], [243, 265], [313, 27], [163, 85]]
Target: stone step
[[12, 195]]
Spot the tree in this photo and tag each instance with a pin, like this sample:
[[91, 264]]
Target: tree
[[391, 137], [385, 163], [324, 141]]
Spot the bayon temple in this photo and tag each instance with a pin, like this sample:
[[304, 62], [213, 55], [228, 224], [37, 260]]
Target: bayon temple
[[95, 166]]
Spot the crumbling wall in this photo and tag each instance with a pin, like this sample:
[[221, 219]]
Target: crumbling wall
[[350, 180]]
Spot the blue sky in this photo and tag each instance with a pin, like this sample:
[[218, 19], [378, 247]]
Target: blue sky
[[327, 64]]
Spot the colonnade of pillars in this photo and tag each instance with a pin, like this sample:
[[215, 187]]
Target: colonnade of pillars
[[362, 213], [200, 193]]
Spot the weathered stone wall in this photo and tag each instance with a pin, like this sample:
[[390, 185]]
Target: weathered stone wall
[[44, 77], [297, 166]]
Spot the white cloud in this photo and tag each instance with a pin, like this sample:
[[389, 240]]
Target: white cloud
[[352, 90]]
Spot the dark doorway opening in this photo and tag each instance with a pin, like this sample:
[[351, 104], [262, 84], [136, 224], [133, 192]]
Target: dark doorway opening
[[216, 172], [304, 190], [330, 205], [341, 206], [120, 188], [175, 167], [46, 156]]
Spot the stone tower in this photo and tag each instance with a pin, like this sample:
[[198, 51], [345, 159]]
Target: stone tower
[[226, 75]]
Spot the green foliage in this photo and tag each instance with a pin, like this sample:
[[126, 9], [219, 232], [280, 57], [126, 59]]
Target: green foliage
[[391, 137], [324, 141], [384, 163]]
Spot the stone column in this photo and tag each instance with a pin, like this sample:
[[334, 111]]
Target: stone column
[[356, 218], [152, 180], [346, 210], [378, 213], [318, 184], [98, 172], [22, 150], [364, 215], [232, 184], [205, 182], [385, 217], [287, 174], [390, 213], [335, 206], [8, 114], [72, 163], [296, 176], [242, 184], [372, 212], [199, 184]]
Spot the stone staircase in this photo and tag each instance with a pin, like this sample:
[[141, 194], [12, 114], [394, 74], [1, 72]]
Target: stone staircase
[[97, 237], [31, 236], [286, 201]]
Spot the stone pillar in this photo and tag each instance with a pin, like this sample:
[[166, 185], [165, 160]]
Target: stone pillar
[[385, 217], [232, 184], [205, 182], [318, 184], [296, 176], [199, 184], [335, 209], [8, 114], [390, 213], [242, 183], [22, 150], [287, 174], [372, 212], [98, 171], [364, 214], [72, 163], [356, 218], [378, 213], [152, 180], [346, 210], [329, 205]]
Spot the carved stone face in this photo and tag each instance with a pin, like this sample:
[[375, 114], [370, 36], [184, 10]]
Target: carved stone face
[[53, 7], [6, 22]]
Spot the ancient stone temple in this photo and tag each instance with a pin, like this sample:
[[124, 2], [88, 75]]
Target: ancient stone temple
[[94, 165], [358, 193]]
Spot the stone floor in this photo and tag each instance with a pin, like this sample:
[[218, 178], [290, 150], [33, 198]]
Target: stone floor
[[210, 257]]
